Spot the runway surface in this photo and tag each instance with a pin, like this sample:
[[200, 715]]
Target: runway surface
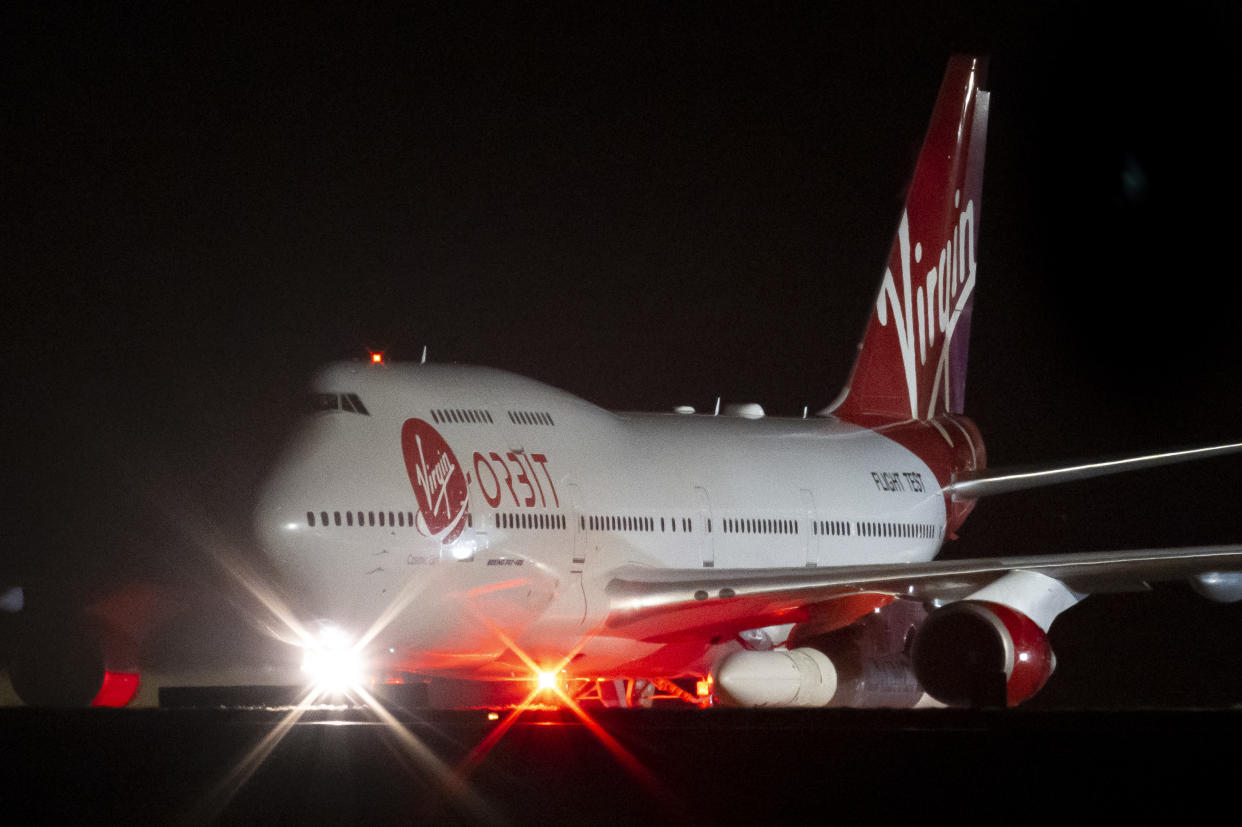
[[354, 764]]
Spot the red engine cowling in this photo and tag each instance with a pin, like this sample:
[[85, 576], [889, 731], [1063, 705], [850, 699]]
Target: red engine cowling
[[978, 653], [65, 664], [58, 665]]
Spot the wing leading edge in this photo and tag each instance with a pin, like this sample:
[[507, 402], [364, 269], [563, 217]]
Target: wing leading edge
[[663, 605], [1003, 481]]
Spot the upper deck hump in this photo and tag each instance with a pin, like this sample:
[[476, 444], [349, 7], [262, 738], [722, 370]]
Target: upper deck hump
[[740, 427], [401, 388]]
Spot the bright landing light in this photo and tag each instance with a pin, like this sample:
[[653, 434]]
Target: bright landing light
[[331, 663]]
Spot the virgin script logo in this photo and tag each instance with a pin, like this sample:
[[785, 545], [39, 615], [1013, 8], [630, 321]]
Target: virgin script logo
[[439, 483], [933, 308]]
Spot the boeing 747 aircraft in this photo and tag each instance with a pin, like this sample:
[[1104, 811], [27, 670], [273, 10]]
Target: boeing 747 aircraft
[[467, 522]]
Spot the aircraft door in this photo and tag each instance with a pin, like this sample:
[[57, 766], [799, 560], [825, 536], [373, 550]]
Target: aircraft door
[[703, 525], [578, 558], [578, 519], [810, 537], [474, 539]]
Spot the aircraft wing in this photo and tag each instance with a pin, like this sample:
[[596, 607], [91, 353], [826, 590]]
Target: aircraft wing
[[1003, 481], [663, 605]]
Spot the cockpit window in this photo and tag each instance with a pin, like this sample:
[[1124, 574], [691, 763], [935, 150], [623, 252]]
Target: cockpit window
[[318, 402], [323, 402]]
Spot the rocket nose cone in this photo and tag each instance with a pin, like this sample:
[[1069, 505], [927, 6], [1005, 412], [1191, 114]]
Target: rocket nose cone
[[797, 677]]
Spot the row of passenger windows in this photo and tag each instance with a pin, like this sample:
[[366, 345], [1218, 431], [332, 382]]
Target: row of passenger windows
[[481, 416], [365, 519], [832, 528], [912, 531], [462, 416], [611, 522], [529, 519], [530, 418], [745, 525]]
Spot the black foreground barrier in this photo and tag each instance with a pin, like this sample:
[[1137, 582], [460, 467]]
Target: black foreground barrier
[[353, 764]]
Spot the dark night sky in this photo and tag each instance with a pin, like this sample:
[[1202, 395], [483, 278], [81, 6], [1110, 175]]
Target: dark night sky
[[644, 207]]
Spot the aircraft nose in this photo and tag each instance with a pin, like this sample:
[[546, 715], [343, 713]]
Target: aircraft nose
[[278, 526], [286, 518]]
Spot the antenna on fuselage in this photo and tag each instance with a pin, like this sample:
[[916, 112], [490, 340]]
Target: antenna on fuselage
[[423, 359], [717, 413], [804, 407]]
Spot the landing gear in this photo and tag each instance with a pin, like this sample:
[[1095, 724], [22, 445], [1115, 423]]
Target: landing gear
[[636, 693]]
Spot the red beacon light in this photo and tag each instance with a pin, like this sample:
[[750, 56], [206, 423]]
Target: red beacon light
[[377, 357]]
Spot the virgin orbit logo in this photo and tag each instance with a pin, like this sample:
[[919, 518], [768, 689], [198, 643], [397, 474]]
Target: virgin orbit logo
[[438, 480]]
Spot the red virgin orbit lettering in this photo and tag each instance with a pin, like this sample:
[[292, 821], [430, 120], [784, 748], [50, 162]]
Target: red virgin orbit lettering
[[439, 483], [912, 360]]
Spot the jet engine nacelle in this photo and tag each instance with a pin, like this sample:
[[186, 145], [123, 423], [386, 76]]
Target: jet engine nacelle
[[69, 659], [1218, 586], [58, 665], [980, 653]]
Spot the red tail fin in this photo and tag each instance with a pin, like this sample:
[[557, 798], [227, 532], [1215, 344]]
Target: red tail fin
[[912, 360]]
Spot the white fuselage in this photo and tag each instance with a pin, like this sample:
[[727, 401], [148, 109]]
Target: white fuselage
[[555, 494]]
